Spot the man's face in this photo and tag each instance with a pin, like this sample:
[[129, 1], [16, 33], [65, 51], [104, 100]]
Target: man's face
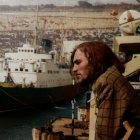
[[80, 69]]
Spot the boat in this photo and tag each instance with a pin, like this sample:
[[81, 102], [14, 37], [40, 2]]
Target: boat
[[32, 78], [35, 76]]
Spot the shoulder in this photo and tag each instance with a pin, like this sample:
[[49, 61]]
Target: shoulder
[[112, 79], [109, 76]]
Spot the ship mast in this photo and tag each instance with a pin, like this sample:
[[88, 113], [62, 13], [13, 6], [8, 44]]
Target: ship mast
[[62, 28], [36, 25]]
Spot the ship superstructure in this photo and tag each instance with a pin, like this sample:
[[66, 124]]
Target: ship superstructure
[[32, 67]]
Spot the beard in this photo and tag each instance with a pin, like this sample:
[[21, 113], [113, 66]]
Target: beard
[[84, 82]]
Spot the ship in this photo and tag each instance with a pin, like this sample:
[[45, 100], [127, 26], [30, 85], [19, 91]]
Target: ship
[[33, 77]]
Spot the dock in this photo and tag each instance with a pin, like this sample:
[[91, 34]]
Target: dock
[[62, 129]]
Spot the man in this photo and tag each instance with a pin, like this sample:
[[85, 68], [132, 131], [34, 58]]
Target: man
[[115, 100]]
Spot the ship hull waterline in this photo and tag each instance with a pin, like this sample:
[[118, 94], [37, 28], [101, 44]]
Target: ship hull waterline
[[12, 98]]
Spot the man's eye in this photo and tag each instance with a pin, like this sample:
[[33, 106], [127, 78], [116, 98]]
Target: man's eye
[[77, 62]]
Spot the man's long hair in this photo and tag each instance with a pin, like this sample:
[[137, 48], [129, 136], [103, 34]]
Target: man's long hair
[[100, 58]]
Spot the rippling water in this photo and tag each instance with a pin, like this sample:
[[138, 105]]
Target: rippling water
[[18, 125]]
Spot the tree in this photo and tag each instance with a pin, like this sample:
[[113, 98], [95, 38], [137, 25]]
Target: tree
[[85, 4]]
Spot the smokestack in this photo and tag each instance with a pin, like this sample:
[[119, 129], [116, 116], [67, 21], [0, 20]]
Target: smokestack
[[47, 45]]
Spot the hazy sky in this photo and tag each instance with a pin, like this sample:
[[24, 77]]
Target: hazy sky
[[60, 2]]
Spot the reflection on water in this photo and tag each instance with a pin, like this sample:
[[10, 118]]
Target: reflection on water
[[18, 125]]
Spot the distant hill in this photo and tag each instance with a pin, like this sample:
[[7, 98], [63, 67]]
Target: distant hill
[[82, 6]]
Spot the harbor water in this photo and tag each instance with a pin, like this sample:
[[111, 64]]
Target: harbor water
[[18, 125]]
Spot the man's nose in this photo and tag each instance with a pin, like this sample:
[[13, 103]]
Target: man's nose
[[74, 68]]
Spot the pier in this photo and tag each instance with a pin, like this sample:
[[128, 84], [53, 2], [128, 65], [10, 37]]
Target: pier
[[61, 129], [65, 128]]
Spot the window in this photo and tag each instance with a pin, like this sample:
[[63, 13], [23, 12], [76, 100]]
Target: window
[[49, 71], [43, 60]]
